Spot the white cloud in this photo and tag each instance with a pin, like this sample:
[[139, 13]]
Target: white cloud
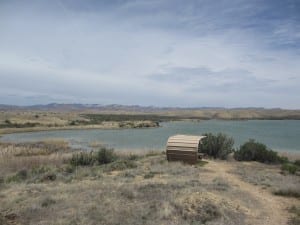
[[146, 53]]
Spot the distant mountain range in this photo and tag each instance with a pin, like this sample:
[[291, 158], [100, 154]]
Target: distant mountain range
[[178, 112], [112, 107]]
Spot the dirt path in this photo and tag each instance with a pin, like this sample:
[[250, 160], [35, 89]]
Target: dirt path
[[273, 210]]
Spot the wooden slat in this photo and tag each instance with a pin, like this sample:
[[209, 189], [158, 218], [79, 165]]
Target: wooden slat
[[170, 156], [184, 140], [183, 148], [181, 152], [182, 145]]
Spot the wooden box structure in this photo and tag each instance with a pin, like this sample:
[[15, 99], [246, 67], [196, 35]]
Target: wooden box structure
[[183, 148]]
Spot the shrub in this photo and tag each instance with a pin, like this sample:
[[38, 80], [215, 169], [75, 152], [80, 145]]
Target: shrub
[[40, 170], [255, 151], [149, 175], [19, 176], [82, 159], [7, 121], [22, 174], [217, 146], [283, 159], [297, 162], [102, 156], [69, 169], [295, 193], [48, 177], [46, 202], [105, 156], [289, 167]]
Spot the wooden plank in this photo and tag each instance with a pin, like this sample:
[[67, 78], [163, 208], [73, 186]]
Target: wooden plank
[[197, 138], [182, 145], [180, 153], [181, 158], [180, 149], [170, 157], [182, 140], [187, 136]]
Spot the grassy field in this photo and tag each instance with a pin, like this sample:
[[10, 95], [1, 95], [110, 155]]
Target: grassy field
[[39, 185]]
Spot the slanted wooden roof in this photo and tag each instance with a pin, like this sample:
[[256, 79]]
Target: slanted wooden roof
[[184, 142]]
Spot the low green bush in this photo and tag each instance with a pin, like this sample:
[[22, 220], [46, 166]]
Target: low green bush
[[295, 193], [19, 176], [217, 145], [69, 169], [105, 156], [150, 174], [297, 162], [255, 151], [82, 159], [40, 170], [102, 156], [290, 167], [46, 202], [48, 177]]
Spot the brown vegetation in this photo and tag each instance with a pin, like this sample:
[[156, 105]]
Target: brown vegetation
[[137, 189]]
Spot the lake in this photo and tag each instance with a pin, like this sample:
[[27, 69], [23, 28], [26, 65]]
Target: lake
[[280, 135]]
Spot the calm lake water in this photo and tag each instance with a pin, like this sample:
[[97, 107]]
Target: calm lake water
[[281, 135]]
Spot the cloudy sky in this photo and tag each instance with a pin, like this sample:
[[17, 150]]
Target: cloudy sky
[[188, 53]]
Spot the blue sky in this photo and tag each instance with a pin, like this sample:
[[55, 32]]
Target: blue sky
[[227, 53]]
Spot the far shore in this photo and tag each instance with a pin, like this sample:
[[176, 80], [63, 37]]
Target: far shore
[[103, 126]]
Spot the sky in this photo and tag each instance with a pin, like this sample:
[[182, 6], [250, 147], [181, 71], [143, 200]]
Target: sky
[[175, 53]]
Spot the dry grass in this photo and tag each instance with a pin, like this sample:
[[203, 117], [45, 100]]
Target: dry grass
[[153, 191], [18, 156], [295, 219], [268, 176]]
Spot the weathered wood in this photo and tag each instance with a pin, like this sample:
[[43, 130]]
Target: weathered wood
[[183, 148]]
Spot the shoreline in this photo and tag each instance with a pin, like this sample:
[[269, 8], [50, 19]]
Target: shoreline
[[105, 126]]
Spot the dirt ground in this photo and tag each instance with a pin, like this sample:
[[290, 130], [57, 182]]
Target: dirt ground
[[269, 209], [142, 190]]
